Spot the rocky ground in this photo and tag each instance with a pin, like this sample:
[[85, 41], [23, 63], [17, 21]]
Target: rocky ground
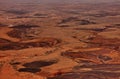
[[61, 41]]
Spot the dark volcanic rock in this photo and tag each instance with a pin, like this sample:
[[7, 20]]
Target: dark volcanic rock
[[92, 29], [104, 42], [24, 26], [38, 64], [86, 22], [23, 31], [42, 43], [102, 71], [69, 20], [4, 41], [17, 12], [35, 66], [63, 26], [32, 70], [101, 56], [90, 75], [39, 14]]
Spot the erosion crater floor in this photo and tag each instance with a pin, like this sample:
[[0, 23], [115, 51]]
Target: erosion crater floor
[[61, 41]]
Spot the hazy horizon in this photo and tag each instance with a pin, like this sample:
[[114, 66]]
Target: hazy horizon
[[57, 1]]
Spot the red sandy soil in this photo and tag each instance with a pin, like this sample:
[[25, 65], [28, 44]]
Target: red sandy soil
[[78, 41]]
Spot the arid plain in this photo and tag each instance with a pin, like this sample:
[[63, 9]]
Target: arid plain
[[60, 41]]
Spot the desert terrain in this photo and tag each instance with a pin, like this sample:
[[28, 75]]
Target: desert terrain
[[60, 41]]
